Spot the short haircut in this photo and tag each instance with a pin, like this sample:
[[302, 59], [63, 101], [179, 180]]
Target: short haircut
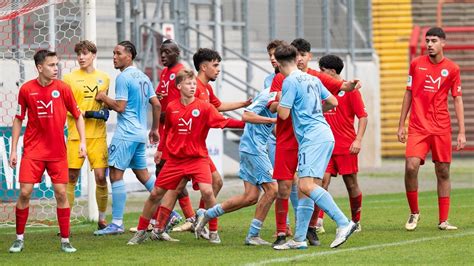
[[85, 46], [331, 61], [40, 56], [130, 47], [302, 45], [285, 53], [274, 44], [169, 42], [437, 32], [183, 75], [205, 55]]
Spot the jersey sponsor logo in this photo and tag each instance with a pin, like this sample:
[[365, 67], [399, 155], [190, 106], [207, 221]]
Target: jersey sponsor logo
[[195, 112], [423, 68], [444, 72], [18, 109], [432, 84], [409, 81], [341, 93], [55, 93], [164, 86], [172, 76], [184, 127], [45, 109], [90, 92]]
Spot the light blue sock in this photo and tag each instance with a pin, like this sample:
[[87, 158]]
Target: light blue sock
[[255, 227], [294, 198], [324, 200], [214, 212], [119, 197], [305, 211], [150, 184]]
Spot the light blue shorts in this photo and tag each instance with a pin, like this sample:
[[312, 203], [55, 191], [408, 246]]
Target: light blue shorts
[[127, 154], [271, 148], [313, 159], [255, 169]]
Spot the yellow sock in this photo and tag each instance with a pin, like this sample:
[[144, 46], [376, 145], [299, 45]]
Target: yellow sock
[[70, 189], [101, 196]]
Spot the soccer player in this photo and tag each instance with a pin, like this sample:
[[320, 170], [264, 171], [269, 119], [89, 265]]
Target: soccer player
[[187, 124], [85, 83], [302, 95], [430, 79], [47, 101], [133, 90], [286, 157], [347, 142], [255, 170]]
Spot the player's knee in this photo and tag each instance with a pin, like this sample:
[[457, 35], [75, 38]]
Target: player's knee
[[251, 200], [184, 193], [217, 183], [207, 194], [25, 195], [73, 177], [61, 197]]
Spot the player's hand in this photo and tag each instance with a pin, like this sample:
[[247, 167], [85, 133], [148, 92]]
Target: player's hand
[[154, 136], [82, 150], [402, 134], [355, 147], [157, 157], [161, 95], [100, 95], [13, 159], [461, 141], [355, 84], [248, 102]]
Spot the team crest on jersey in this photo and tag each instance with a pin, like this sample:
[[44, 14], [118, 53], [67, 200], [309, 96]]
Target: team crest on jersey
[[409, 81], [55, 94], [100, 81], [172, 76], [18, 109], [195, 112], [444, 72], [341, 93]]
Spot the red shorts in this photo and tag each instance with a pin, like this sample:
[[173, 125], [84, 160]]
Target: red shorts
[[174, 170], [418, 145], [343, 164], [31, 171], [286, 162], [212, 165]]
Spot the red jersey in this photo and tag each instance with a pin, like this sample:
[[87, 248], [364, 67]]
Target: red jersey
[[430, 84], [341, 119], [206, 93], [47, 109], [284, 128], [186, 128]]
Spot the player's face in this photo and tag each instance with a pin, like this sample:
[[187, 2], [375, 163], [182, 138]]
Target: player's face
[[168, 55], [302, 59], [85, 58], [212, 69], [49, 68], [271, 55], [434, 45], [122, 58], [187, 87]]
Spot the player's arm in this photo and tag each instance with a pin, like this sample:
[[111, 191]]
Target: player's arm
[[81, 129], [229, 106], [16, 130], [459, 110], [361, 127], [329, 103], [251, 117], [351, 85], [154, 136], [406, 105], [116, 105]]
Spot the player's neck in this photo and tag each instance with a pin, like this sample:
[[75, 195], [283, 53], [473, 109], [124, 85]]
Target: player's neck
[[43, 81], [126, 66], [172, 65], [88, 69], [187, 100], [437, 58], [202, 77]]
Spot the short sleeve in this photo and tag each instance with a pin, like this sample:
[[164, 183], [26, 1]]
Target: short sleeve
[[151, 91], [216, 119], [288, 94], [410, 75], [331, 84], [456, 85], [121, 88], [70, 102], [22, 104], [212, 98], [276, 86], [324, 91], [358, 105]]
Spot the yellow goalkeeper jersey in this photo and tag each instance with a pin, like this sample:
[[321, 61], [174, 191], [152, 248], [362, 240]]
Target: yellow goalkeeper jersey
[[85, 87]]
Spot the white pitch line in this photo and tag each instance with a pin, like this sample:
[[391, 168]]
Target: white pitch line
[[318, 254]]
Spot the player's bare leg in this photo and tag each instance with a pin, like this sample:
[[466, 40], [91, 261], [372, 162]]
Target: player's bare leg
[[261, 212], [355, 197], [412, 166], [444, 191]]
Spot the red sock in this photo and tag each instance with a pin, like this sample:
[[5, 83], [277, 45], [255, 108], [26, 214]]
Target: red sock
[[186, 206], [412, 197], [314, 218], [163, 215], [64, 215], [21, 218], [321, 214], [281, 212], [143, 223], [443, 208], [356, 205], [201, 204], [213, 224], [155, 214]]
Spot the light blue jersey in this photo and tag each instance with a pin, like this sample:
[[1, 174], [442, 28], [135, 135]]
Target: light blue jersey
[[303, 93], [135, 87], [271, 145], [255, 137], [267, 83]]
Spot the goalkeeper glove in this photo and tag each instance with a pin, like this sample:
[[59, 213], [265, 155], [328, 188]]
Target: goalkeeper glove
[[101, 114]]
